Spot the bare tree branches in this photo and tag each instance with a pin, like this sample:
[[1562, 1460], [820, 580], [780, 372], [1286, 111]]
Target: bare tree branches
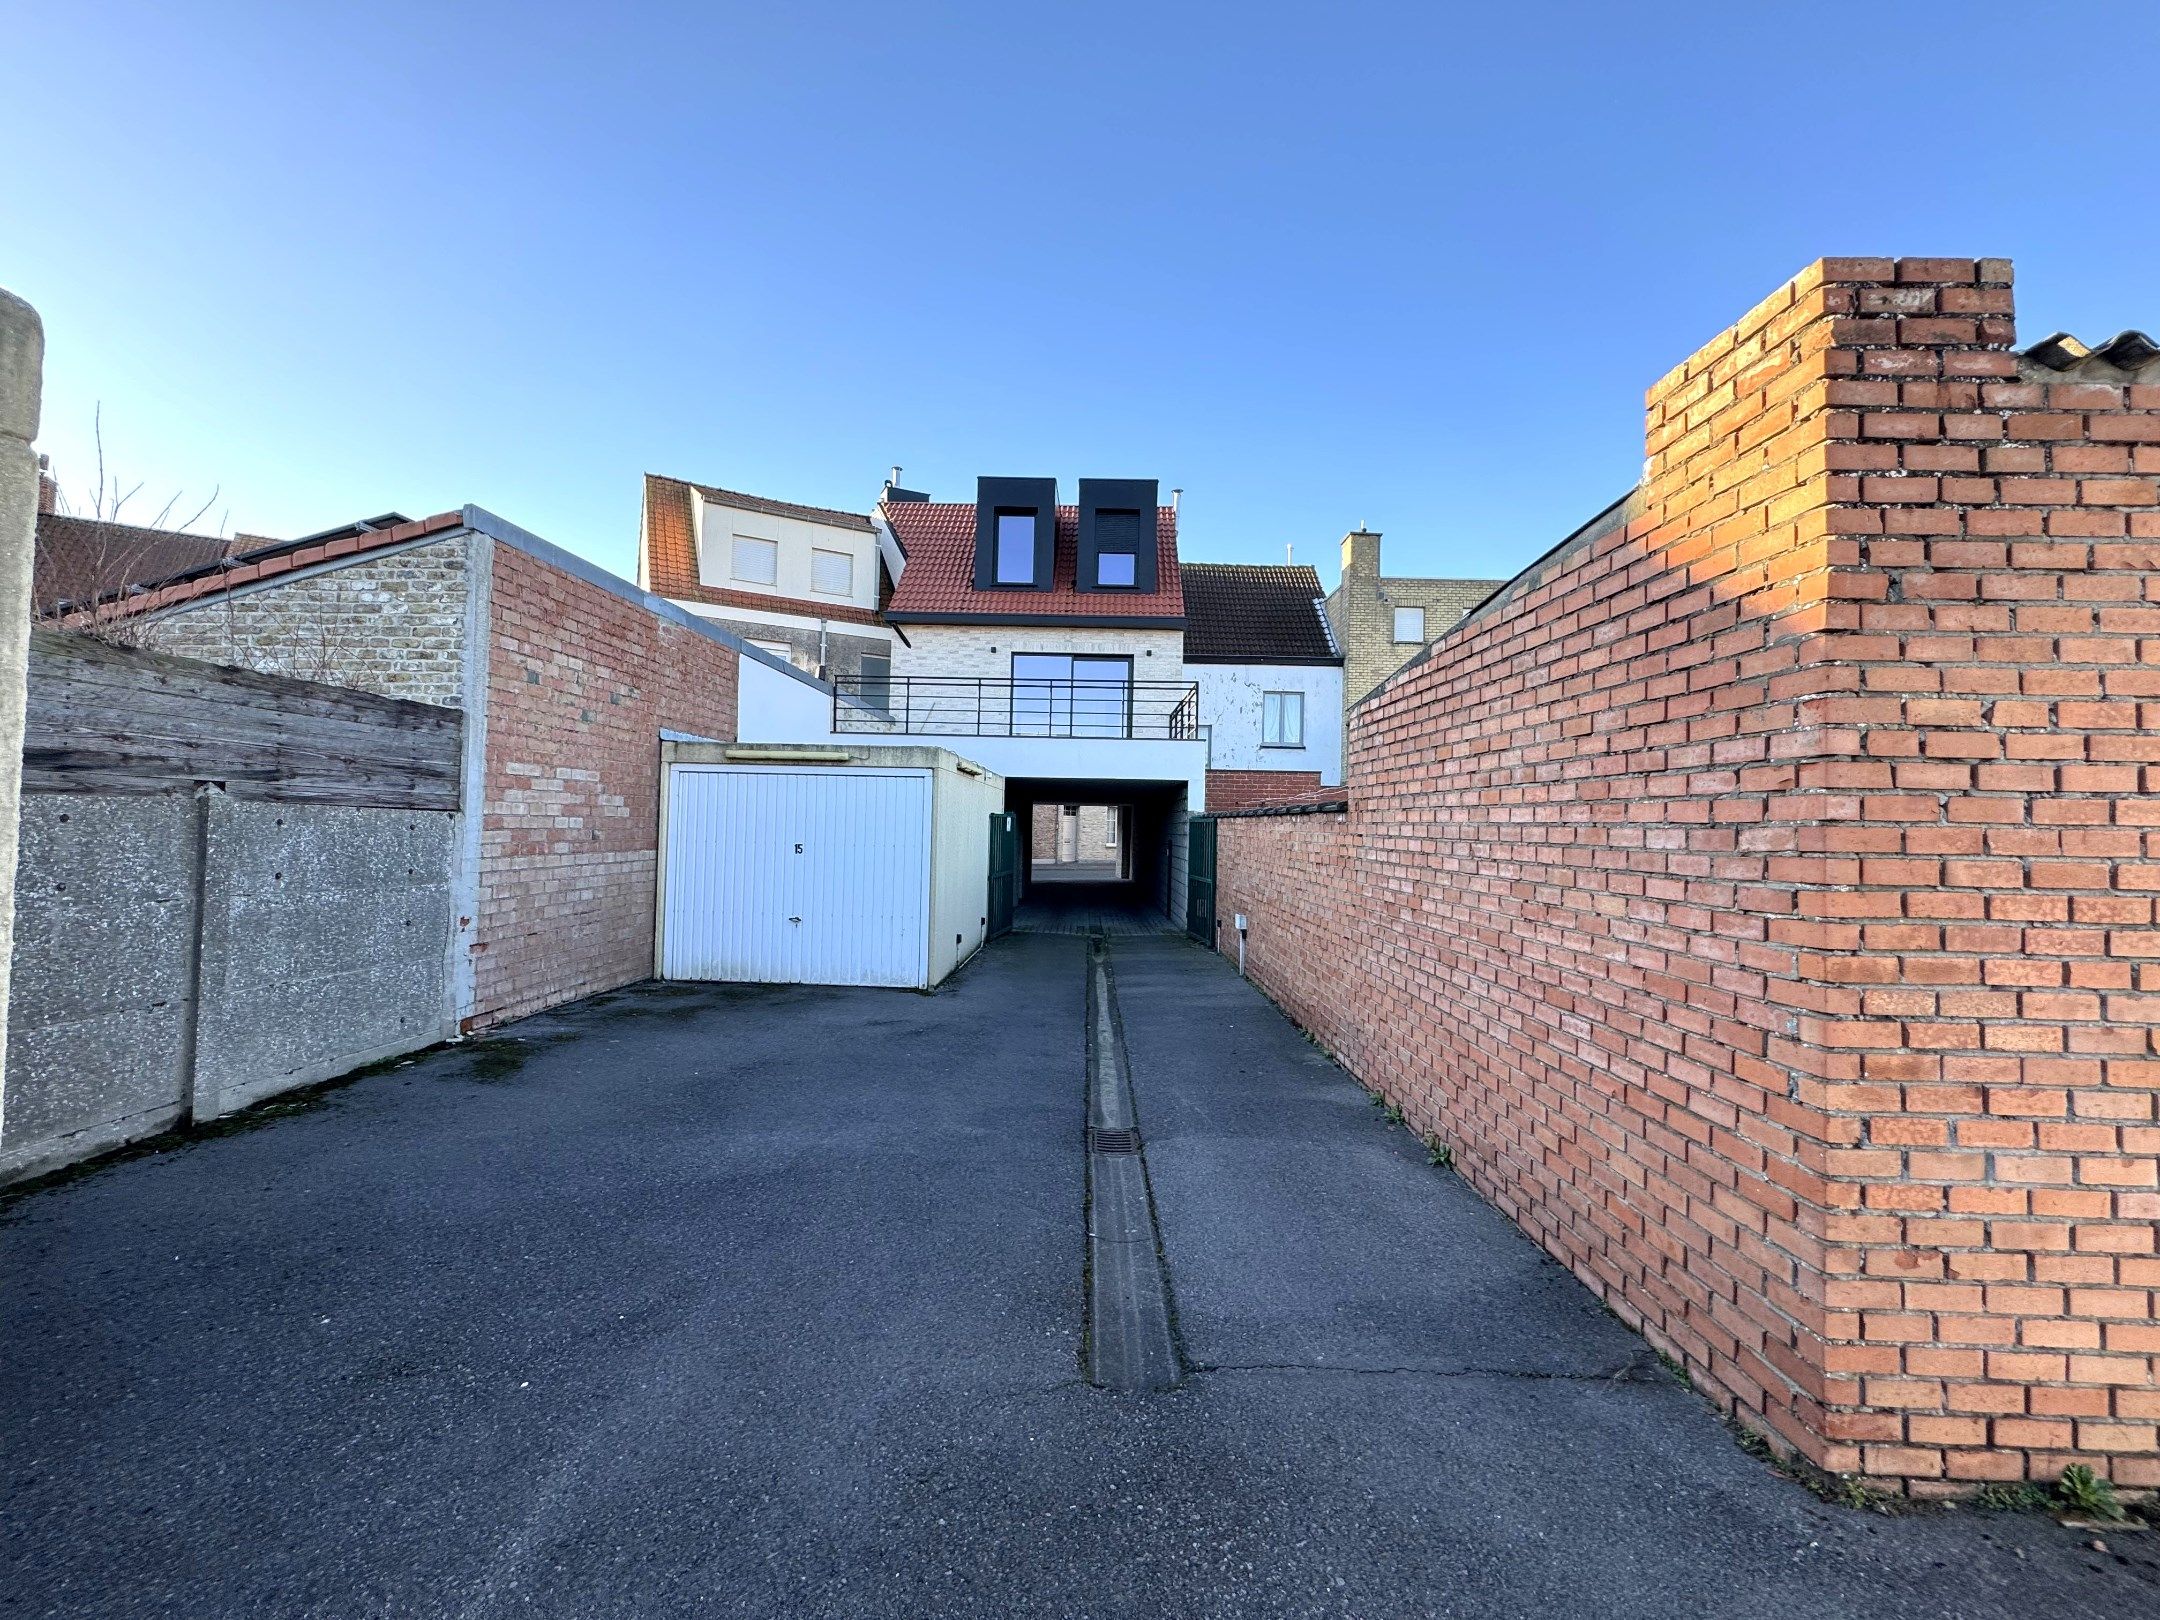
[[107, 499]]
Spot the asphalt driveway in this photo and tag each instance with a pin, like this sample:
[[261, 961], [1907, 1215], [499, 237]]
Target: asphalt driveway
[[723, 1300]]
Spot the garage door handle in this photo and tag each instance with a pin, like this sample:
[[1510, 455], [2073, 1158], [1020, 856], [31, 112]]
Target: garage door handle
[[794, 919]]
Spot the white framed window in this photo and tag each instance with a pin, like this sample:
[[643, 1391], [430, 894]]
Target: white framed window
[[779, 649], [832, 573], [1410, 625], [1282, 720], [1109, 836], [755, 561]]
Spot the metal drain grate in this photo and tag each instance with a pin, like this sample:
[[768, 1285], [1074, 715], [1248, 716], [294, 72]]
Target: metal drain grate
[[1103, 1140]]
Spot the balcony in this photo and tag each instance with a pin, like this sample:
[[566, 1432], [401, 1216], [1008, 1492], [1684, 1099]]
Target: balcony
[[986, 706]]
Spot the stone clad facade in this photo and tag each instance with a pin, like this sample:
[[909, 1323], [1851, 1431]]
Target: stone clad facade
[[392, 624]]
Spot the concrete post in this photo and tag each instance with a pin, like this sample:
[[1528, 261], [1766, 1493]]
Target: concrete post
[[22, 369]]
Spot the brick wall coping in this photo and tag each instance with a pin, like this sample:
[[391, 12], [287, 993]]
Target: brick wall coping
[[1618, 515], [1334, 805]]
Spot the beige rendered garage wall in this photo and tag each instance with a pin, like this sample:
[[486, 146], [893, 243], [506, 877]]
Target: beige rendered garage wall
[[962, 796]]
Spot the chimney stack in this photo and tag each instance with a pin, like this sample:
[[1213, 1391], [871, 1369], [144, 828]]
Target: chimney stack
[[1361, 555], [48, 487]]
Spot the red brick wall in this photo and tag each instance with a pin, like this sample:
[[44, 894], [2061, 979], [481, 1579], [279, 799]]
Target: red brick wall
[[1241, 790], [1757, 896], [580, 684]]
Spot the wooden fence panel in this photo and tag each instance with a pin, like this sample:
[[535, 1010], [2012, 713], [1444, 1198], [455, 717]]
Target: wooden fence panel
[[106, 719]]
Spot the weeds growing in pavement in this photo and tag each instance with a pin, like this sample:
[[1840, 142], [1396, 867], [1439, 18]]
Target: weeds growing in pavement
[[2086, 1493]]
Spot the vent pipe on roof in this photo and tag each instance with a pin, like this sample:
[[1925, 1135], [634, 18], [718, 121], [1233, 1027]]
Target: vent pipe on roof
[[1174, 494]]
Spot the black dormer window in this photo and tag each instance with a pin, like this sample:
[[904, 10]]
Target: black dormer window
[[1117, 549], [1015, 533], [1016, 548], [1117, 534]]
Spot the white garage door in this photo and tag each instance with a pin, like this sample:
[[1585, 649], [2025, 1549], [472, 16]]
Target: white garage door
[[778, 875]]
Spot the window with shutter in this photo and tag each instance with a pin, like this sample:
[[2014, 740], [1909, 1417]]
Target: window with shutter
[[1117, 548], [756, 562], [832, 572]]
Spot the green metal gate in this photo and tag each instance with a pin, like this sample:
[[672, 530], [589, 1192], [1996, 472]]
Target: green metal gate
[[1200, 881], [1004, 871]]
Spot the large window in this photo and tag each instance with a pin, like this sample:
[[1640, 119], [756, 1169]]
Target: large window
[[1016, 548], [1282, 720], [1067, 695], [756, 562], [1410, 625], [832, 573]]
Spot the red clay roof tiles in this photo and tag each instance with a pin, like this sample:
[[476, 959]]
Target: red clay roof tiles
[[938, 538], [670, 548]]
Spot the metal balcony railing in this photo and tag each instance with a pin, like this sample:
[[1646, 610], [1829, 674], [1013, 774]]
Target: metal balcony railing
[[985, 706]]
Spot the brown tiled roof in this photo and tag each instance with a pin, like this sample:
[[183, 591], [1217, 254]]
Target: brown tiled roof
[[285, 557], [939, 581], [670, 548], [80, 559], [1246, 613]]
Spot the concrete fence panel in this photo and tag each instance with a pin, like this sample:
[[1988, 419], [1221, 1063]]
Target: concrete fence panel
[[323, 937], [182, 950]]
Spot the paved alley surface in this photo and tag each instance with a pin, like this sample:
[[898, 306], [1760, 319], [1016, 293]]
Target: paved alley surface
[[769, 1301]]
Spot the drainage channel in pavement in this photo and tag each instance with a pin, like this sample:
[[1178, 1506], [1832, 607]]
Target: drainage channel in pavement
[[1131, 1346]]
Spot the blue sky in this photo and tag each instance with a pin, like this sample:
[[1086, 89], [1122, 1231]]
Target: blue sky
[[1410, 266]]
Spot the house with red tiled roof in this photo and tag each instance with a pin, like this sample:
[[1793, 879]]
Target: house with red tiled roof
[[1046, 638], [1270, 676], [804, 583], [1060, 642]]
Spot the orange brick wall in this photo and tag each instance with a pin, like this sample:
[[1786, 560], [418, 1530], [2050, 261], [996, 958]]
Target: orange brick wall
[[1240, 790], [1757, 896], [580, 684]]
